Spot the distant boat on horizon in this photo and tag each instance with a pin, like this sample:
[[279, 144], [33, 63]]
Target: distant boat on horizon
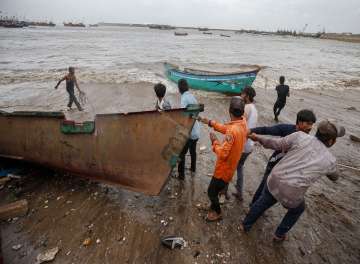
[[180, 33], [226, 36], [74, 24], [207, 33], [94, 25], [41, 24]]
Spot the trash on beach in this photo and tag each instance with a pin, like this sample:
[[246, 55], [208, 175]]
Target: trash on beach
[[13, 176], [6, 172], [202, 148], [173, 242], [87, 242], [351, 108], [164, 223], [47, 255], [354, 138], [16, 247]]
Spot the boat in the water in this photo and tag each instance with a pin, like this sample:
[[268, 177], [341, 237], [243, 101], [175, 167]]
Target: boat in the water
[[230, 83], [180, 33], [225, 36], [136, 150], [74, 24], [207, 33]]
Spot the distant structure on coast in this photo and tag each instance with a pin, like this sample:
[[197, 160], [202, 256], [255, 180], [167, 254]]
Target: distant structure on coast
[[41, 24], [162, 27], [70, 24], [14, 22], [180, 33], [203, 29]]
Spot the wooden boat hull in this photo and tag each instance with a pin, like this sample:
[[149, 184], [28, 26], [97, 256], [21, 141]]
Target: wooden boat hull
[[224, 83], [136, 151]]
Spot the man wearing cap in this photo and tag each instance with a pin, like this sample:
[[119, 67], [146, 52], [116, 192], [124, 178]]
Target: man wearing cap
[[228, 152], [307, 158]]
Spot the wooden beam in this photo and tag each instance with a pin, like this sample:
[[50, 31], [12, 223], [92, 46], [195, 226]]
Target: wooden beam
[[18, 208]]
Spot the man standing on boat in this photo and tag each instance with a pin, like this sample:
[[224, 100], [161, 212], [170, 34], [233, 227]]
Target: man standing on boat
[[186, 99], [71, 81], [282, 92]]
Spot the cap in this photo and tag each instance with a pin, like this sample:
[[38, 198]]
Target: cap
[[332, 130]]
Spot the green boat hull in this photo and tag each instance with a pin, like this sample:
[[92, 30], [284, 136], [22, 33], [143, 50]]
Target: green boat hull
[[223, 83]]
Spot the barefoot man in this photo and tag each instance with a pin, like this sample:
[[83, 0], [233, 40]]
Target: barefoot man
[[71, 81]]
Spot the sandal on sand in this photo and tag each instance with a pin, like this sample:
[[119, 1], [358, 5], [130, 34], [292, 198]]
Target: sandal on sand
[[279, 238], [213, 216]]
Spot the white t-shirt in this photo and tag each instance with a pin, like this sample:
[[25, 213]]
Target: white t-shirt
[[251, 116]]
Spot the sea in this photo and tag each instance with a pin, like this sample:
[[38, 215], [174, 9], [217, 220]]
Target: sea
[[38, 57]]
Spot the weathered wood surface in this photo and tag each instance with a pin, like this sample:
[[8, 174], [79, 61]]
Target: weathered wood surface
[[135, 150], [15, 209]]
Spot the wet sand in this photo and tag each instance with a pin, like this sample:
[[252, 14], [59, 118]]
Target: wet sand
[[65, 210]]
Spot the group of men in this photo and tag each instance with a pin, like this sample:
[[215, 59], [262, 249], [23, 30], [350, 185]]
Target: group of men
[[299, 159]]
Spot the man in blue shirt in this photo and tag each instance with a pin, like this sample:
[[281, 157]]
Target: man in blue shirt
[[186, 99], [304, 122]]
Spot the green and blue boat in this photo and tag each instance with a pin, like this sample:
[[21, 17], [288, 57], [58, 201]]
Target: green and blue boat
[[229, 83]]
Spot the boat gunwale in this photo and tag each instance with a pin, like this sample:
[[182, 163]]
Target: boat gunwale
[[176, 69], [61, 115]]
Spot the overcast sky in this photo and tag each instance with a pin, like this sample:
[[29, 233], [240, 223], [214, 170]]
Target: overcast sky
[[333, 15]]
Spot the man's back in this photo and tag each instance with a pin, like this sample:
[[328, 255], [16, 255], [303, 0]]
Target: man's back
[[282, 92], [306, 160]]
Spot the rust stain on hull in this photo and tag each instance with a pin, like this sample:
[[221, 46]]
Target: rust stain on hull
[[136, 151]]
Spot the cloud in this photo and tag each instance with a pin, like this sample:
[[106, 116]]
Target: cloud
[[333, 15]]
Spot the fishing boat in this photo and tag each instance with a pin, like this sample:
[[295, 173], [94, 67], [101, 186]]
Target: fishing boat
[[207, 33], [224, 35], [231, 83], [180, 33], [135, 150], [74, 24]]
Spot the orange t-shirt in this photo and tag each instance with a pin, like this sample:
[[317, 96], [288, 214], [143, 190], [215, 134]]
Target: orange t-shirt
[[229, 151]]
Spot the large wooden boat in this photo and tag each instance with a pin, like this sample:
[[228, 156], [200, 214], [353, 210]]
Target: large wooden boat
[[136, 151], [230, 83]]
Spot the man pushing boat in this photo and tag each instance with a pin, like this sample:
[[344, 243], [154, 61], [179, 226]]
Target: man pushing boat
[[71, 81], [228, 152]]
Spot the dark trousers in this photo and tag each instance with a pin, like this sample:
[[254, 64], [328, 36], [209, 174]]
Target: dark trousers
[[190, 145], [72, 98], [262, 184], [265, 201], [240, 175], [215, 186], [278, 106]]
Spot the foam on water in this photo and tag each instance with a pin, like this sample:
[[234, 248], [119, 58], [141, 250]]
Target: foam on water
[[117, 55]]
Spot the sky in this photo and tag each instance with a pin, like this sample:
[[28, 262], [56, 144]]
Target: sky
[[331, 15]]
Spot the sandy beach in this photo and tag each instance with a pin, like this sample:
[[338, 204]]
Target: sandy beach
[[126, 227]]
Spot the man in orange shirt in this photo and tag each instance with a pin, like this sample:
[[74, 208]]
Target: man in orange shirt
[[228, 152]]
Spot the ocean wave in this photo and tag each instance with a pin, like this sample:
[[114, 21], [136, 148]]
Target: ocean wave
[[154, 72]]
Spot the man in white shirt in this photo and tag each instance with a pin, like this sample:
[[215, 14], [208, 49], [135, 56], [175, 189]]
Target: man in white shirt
[[188, 98], [251, 116]]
